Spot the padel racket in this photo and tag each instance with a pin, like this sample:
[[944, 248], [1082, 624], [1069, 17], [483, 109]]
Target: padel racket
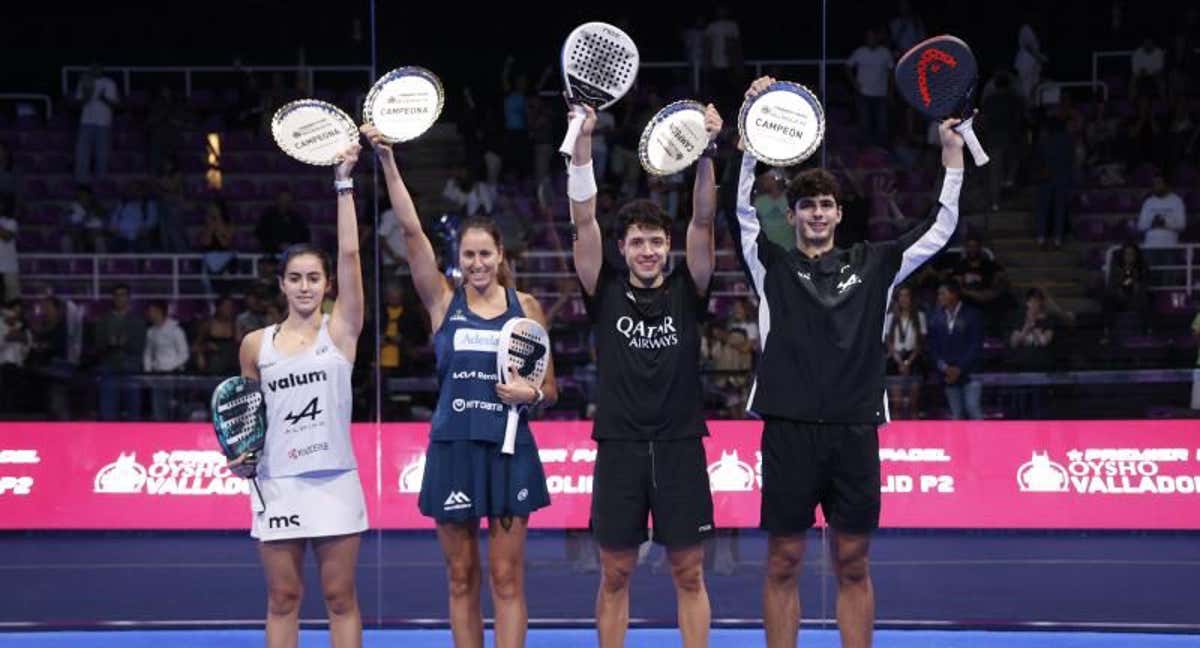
[[240, 421], [937, 77], [599, 65], [525, 348]]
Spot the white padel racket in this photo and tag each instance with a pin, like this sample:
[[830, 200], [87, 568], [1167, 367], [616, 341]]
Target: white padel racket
[[525, 348], [599, 65]]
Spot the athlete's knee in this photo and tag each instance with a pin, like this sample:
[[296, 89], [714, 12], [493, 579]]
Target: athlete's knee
[[783, 565], [340, 598], [506, 579], [284, 599], [615, 575], [463, 577], [852, 569], [688, 576]]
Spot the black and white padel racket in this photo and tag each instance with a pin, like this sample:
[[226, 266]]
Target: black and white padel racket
[[240, 422], [937, 77], [599, 65], [525, 348]]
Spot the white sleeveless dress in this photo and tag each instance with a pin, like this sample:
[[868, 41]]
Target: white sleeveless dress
[[307, 474]]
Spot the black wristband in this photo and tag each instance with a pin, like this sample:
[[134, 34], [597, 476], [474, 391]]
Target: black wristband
[[710, 151]]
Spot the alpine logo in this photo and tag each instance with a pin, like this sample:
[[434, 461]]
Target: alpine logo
[[852, 280], [456, 501]]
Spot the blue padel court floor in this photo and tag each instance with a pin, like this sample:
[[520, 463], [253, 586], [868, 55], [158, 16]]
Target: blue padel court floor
[[649, 638]]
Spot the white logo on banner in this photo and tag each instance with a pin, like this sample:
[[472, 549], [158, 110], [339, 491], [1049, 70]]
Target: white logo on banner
[[19, 457], [178, 472], [1041, 475], [16, 485], [730, 474], [1131, 471], [412, 475], [125, 475]]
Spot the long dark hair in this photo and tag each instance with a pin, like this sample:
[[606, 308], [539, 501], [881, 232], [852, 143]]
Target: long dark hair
[[298, 250], [301, 249], [913, 312], [504, 273]]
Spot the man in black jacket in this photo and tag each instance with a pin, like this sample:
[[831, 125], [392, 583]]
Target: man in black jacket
[[819, 384]]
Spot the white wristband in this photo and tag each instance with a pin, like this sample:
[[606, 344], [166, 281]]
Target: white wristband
[[951, 186], [342, 185], [581, 182]]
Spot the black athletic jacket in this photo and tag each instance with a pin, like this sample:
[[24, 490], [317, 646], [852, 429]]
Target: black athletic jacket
[[821, 320]]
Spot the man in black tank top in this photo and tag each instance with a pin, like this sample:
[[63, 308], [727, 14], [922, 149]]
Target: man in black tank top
[[649, 426]]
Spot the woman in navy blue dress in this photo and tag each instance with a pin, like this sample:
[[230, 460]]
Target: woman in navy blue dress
[[466, 477]]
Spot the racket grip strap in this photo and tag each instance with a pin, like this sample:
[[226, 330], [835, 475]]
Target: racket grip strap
[[967, 130], [574, 125], [510, 432]]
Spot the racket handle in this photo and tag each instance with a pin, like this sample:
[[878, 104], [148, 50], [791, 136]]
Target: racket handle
[[573, 128], [510, 431], [967, 130]]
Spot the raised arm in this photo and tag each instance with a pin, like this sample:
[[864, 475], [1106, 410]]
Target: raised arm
[[754, 248], [346, 321], [581, 190], [701, 242], [431, 285], [921, 243]]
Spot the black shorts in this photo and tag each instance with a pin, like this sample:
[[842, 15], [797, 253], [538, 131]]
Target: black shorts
[[809, 464], [666, 479]]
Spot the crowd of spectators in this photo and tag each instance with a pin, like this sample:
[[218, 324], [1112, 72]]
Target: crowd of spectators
[[960, 317]]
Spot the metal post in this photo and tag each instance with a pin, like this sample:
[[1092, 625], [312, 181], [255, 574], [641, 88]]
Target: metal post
[[821, 68]]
